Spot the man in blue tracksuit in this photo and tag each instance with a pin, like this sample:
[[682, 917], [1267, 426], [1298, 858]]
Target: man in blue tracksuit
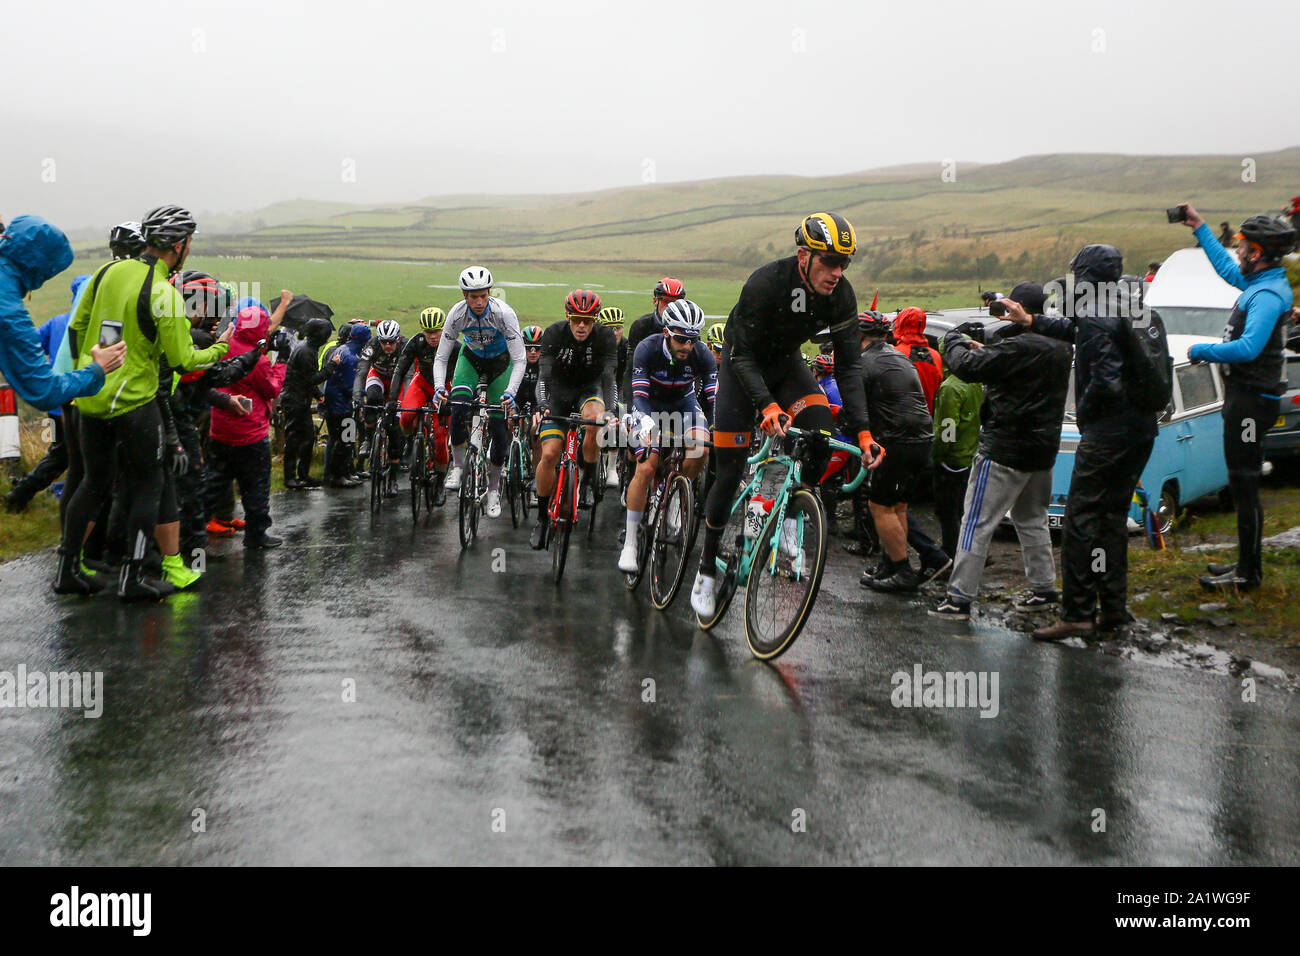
[[55, 461], [338, 408], [1253, 372], [32, 251]]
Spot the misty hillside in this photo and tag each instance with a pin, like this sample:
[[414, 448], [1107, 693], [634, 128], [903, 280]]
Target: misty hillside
[[1030, 213]]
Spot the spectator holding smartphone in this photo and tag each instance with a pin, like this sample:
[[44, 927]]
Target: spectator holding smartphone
[[1253, 373], [130, 300]]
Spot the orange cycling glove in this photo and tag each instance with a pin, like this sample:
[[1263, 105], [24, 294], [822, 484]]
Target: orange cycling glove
[[770, 416], [869, 446]]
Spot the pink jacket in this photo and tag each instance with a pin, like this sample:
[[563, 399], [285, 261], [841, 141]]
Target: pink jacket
[[262, 384]]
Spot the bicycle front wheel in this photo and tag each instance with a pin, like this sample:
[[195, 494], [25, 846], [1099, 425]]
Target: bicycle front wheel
[[378, 468], [514, 489], [468, 501], [561, 530], [786, 574], [418, 476], [671, 548]]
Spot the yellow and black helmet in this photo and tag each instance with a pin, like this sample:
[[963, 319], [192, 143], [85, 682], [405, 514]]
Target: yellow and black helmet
[[713, 335], [611, 315], [432, 319], [827, 232]]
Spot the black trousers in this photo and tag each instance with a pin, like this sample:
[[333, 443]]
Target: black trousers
[[338, 454], [299, 442], [949, 503], [190, 503], [137, 436], [44, 473], [248, 466], [1094, 545], [1246, 418]]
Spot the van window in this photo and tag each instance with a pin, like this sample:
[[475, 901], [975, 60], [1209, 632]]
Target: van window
[[1196, 382], [1293, 373], [1180, 320]]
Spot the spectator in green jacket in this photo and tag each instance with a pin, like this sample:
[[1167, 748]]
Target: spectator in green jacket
[[956, 436]]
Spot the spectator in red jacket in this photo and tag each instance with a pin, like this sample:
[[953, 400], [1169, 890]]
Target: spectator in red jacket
[[241, 448], [909, 338]]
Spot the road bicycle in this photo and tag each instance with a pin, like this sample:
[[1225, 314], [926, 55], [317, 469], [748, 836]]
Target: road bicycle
[[774, 542], [665, 534], [426, 480], [474, 476], [383, 472], [562, 510], [519, 466]]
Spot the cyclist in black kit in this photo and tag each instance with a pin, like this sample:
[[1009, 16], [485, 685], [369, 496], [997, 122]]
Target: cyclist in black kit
[[782, 305], [577, 372]]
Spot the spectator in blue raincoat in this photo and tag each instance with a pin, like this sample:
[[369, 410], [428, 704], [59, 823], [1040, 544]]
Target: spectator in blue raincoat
[[338, 409], [32, 251]]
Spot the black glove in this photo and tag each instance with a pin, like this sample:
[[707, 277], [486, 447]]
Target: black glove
[[283, 346], [974, 330], [180, 460]]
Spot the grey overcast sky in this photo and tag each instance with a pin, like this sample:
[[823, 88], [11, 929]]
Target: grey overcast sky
[[229, 105]]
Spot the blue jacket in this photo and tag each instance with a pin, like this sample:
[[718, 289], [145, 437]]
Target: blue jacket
[[32, 251], [53, 331], [338, 387], [1266, 298]]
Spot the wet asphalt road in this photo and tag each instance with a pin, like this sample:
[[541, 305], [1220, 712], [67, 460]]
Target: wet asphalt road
[[500, 719]]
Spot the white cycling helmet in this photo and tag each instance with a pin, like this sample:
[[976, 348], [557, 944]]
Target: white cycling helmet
[[475, 278], [683, 317], [388, 331]]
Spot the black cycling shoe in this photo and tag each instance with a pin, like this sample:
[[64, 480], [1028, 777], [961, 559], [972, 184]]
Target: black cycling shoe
[[68, 579], [264, 541], [310, 482], [1217, 569], [439, 490], [132, 585], [537, 540]]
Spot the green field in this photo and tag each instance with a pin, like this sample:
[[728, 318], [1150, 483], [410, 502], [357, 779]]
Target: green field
[[360, 288]]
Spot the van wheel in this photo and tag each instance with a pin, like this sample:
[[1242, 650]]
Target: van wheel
[[1167, 509]]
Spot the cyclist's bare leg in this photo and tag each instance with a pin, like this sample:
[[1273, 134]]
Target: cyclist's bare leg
[[547, 462], [891, 526], [639, 486], [591, 412]]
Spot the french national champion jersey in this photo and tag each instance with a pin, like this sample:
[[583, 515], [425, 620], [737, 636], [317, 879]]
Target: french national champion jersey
[[659, 380]]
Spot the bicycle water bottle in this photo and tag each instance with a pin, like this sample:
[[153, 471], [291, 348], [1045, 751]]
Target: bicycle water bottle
[[756, 513]]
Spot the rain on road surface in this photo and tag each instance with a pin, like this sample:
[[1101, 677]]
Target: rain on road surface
[[487, 698]]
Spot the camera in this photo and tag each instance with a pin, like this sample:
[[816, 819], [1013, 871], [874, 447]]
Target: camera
[[1177, 213], [973, 329], [997, 310]]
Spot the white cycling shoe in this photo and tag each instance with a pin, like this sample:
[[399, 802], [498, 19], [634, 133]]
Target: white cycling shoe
[[453, 479], [492, 508], [702, 598], [627, 562]]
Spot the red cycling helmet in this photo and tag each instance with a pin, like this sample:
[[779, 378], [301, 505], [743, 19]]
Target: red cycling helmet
[[582, 302], [824, 364], [874, 323], [669, 288]]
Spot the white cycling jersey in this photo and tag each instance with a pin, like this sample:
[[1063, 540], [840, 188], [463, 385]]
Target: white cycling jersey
[[485, 336]]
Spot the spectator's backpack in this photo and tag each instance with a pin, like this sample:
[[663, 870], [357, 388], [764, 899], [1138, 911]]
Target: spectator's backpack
[[1148, 366]]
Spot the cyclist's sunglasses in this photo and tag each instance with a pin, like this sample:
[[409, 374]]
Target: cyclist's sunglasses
[[833, 260], [682, 339], [581, 319]]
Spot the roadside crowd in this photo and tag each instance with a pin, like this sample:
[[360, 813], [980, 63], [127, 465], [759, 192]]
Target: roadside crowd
[[158, 418]]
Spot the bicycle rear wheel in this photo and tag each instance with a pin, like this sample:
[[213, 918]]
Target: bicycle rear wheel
[[731, 550], [418, 476], [783, 584], [670, 549], [645, 536]]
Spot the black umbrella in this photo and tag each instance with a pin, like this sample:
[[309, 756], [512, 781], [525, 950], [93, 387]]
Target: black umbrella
[[302, 310]]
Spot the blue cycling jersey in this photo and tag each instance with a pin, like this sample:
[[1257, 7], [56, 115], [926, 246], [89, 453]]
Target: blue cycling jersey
[[659, 380]]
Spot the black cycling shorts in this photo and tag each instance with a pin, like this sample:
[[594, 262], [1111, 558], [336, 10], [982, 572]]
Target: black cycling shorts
[[791, 383], [902, 472], [567, 400]]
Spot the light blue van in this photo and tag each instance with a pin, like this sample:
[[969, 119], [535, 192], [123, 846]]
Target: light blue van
[[1187, 459]]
